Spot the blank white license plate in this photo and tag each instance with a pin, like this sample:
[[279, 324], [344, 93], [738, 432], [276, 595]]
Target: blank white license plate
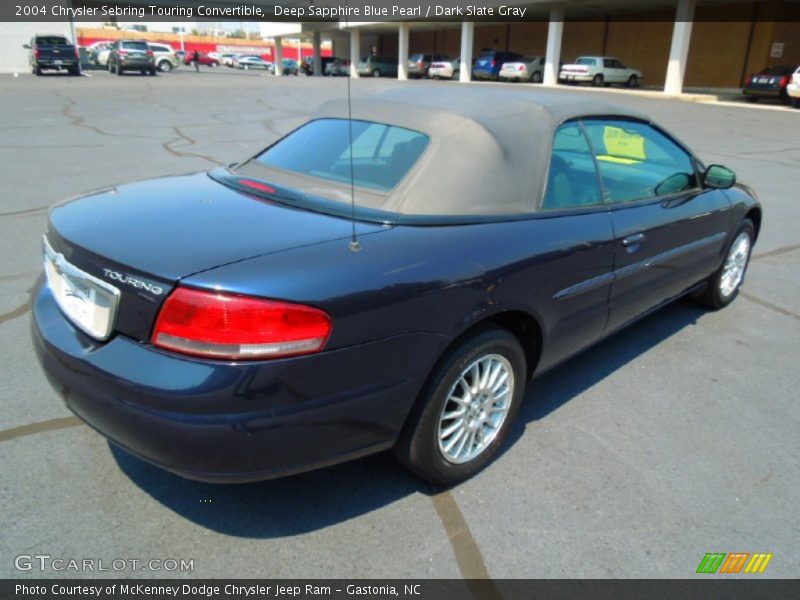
[[763, 80], [58, 62], [88, 302]]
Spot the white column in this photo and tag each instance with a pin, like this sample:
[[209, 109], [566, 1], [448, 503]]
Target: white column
[[402, 51], [317, 54], [355, 52], [278, 56], [552, 60], [679, 51], [467, 36]]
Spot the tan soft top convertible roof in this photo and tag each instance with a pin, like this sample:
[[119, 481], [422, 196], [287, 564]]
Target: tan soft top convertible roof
[[488, 153]]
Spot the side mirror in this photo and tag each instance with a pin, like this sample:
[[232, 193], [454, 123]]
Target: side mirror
[[26, 46], [718, 177]]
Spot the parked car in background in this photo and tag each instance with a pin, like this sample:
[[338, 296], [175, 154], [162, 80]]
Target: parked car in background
[[254, 62], [52, 52], [94, 49], [528, 68], [266, 347], [418, 64], [307, 65], [204, 59], [769, 83], [599, 71], [339, 67], [489, 63], [445, 69], [376, 65], [131, 55], [99, 55], [228, 58], [165, 57], [793, 89], [290, 67]]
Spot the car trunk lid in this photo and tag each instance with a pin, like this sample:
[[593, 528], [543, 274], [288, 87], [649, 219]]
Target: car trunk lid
[[142, 238]]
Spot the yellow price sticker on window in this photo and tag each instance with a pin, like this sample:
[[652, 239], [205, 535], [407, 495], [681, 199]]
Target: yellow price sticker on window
[[623, 145]]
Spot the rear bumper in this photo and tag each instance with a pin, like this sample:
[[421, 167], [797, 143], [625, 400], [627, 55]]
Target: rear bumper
[[763, 92], [228, 422], [60, 63], [580, 77], [483, 74]]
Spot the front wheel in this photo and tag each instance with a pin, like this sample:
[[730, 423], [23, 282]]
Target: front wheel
[[466, 409], [456, 75], [633, 81], [724, 285], [376, 73], [536, 77]]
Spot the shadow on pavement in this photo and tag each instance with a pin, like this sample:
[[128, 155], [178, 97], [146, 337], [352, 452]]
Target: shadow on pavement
[[312, 501]]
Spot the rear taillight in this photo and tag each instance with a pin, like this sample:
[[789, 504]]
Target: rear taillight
[[122, 52], [149, 53], [256, 185], [521, 68], [784, 81], [36, 52], [229, 326], [494, 63]]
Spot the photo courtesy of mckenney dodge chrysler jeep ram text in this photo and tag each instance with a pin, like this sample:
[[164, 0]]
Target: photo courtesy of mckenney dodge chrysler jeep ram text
[[243, 338]]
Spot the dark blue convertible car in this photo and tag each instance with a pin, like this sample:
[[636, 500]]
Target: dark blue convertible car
[[390, 281]]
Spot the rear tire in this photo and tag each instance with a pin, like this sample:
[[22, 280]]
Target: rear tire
[[152, 72], [376, 73], [456, 75], [724, 285], [483, 379], [597, 81], [165, 66], [796, 102], [752, 99], [37, 70]]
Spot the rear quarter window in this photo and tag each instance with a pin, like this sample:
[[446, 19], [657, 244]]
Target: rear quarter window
[[135, 46], [382, 154]]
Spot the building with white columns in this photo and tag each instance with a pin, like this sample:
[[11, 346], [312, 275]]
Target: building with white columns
[[679, 44]]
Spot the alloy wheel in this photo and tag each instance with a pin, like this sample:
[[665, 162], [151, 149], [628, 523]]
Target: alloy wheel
[[476, 408]]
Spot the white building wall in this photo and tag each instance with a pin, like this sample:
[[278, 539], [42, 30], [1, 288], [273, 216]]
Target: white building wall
[[13, 57]]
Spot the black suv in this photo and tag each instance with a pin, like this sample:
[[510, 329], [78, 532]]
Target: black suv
[[131, 55]]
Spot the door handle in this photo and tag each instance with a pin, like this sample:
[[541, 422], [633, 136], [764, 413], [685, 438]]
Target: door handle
[[632, 242]]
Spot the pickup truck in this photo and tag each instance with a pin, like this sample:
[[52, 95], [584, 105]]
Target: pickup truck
[[52, 52]]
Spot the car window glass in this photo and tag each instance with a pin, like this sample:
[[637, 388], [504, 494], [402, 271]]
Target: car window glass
[[608, 63], [52, 40], [585, 61], [135, 46], [572, 180], [637, 161], [382, 154]]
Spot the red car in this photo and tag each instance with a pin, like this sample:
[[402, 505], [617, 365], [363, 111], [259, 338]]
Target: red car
[[203, 59]]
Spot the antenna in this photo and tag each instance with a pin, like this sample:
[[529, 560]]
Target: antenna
[[354, 246]]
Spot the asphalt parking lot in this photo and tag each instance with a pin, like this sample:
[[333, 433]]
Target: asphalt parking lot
[[675, 438]]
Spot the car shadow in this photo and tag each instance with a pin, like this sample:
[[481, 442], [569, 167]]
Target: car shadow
[[312, 501]]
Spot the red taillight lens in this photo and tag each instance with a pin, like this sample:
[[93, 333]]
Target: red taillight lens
[[149, 53], [36, 52], [494, 63], [521, 68], [784, 81], [256, 185], [229, 326], [122, 52]]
